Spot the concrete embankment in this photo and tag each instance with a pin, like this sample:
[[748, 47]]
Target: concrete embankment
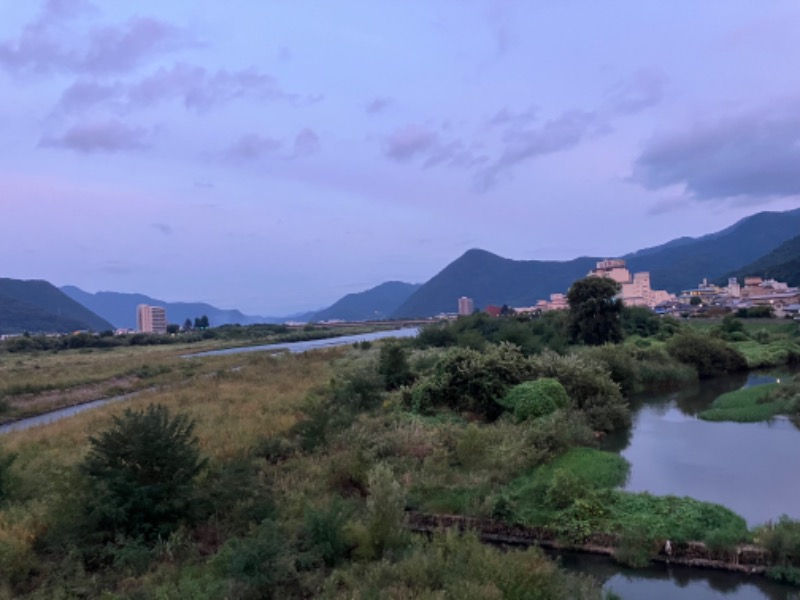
[[746, 559]]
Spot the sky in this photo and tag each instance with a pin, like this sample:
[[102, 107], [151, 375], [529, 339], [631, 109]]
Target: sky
[[273, 156]]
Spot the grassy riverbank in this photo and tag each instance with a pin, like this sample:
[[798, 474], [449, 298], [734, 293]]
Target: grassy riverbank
[[313, 460], [757, 403]]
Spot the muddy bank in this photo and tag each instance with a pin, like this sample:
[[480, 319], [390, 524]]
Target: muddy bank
[[747, 559]]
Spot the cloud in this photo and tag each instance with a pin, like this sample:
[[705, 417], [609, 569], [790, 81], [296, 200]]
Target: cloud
[[526, 143], [253, 146], [47, 44], [410, 141], [752, 156], [196, 87], [102, 136], [643, 90], [163, 228], [378, 105], [306, 143]]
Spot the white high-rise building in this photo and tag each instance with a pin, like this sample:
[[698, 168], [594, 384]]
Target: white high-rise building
[[151, 319], [465, 306]]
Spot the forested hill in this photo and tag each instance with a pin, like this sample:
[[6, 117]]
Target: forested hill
[[782, 264], [39, 306], [491, 279], [120, 309], [379, 302], [682, 264], [679, 264]]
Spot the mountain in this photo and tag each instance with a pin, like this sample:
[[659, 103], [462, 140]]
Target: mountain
[[39, 306], [682, 264], [679, 264], [491, 279], [376, 303], [782, 264], [120, 309]]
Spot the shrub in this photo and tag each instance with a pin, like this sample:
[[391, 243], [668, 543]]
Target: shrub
[[6, 459], [471, 447], [589, 386], [385, 510], [534, 399], [393, 366], [620, 364], [467, 380], [710, 356], [142, 472], [322, 535]]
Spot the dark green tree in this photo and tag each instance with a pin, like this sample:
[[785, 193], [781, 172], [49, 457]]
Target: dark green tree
[[142, 471], [594, 311], [173, 328], [695, 301], [393, 366], [187, 325]]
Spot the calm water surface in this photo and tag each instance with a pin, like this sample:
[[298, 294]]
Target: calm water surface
[[748, 467]]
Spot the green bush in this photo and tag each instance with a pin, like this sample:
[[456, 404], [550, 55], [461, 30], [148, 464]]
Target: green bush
[[142, 473], [393, 366], [589, 386], [322, 535], [6, 459], [468, 380], [710, 356], [534, 399], [782, 539]]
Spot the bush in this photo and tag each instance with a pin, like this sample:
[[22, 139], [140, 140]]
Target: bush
[[589, 386], [385, 510], [467, 380], [6, 459], [710, 356], [393, 366], [142, 472], [322, 535], [534, 399]]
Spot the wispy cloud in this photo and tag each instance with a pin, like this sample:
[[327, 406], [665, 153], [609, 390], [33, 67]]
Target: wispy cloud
[[43, 47], [378, 105], [100, 136]]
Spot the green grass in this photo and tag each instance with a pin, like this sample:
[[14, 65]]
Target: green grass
[[773, 354], [748, 405]]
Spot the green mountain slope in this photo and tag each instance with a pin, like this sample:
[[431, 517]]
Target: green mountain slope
[[782, 264], [39, 306], [379, 302], [675, 267], [679, 264]]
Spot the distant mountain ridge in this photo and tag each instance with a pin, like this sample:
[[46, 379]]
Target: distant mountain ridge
[[678, 264], [372, 304], [37, 306], [782, 264], [120, 308]]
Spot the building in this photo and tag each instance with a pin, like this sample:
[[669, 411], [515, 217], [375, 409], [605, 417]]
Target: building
[[465, 306], [635, 289], [151, 319]]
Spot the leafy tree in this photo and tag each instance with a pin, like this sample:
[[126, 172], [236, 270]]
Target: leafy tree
[[534, 399], [393, 366], [187, 325], [594, 311], [142, 472], [710, 356], [173, 328], [695, 301]]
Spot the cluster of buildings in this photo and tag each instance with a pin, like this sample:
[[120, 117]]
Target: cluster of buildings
[[151, 319], [635, 290], [754, 291]]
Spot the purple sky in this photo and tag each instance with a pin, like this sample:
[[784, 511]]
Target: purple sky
[[273, 156]]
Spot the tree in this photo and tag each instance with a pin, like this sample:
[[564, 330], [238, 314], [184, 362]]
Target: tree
[[594, 311], [187, 325], [201, 322], [142, 472], [173, 328], [393, 366], [695, 301]]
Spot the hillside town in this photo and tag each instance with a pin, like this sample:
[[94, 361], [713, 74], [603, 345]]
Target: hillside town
[[778, 298]]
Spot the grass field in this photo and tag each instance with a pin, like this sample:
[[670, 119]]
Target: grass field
[[748, 405]]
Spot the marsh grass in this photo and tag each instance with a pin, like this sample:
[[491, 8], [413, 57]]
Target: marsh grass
[[748, 405]]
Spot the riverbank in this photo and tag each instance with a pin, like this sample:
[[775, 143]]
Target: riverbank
[[745, 558]]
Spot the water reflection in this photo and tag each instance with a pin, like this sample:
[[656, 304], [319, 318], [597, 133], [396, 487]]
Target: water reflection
[[660, 582], [746, 466]]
